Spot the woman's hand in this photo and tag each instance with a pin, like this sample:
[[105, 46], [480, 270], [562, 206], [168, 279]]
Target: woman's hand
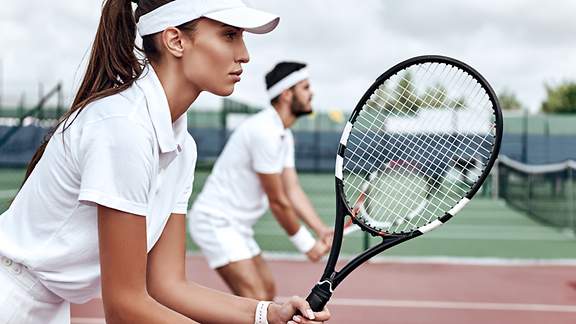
[[286, 313]]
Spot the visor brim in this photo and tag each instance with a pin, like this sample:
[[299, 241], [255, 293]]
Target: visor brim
[[251, 20]]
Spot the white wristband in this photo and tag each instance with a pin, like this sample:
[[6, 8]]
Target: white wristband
[[261, 316], [303, 240]]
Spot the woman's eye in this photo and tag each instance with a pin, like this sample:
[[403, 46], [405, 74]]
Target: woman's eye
[[231, 35]]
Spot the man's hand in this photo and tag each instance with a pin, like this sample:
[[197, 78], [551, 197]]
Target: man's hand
[[326, 235], [318, 251]]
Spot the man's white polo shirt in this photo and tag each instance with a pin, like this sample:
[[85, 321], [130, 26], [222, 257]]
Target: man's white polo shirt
[[260, 144], [122, 152]]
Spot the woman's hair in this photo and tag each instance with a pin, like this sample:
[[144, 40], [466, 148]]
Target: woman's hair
[[113, 66]]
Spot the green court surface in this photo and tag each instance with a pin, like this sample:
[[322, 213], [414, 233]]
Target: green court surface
[[486, 228]]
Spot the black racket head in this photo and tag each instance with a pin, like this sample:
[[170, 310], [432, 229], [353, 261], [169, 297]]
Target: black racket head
[[418, 146]]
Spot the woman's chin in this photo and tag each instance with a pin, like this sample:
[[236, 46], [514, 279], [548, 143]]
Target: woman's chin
[[224, 91]]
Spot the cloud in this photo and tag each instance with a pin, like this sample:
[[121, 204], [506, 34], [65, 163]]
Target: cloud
[[515, 44]]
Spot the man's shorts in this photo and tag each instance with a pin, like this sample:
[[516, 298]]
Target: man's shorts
[[221, 240]]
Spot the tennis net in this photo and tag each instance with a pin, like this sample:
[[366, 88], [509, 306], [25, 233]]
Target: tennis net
[[546, 193]]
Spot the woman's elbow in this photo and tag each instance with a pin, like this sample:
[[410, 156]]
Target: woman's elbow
[[123, 307], [162, 290]]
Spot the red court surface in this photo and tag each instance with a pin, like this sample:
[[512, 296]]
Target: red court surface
[[418, 293]]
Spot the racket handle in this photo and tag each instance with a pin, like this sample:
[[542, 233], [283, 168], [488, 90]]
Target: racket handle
[[319, 296]]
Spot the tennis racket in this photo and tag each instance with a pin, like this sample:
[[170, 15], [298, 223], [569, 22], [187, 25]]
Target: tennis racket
[[417, 147], [375, 193]]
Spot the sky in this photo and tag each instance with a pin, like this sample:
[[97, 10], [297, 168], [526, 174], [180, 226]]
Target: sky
[[518, 45]]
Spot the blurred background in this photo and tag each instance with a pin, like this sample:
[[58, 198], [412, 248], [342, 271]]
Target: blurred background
[[524, 48], [526, 211]]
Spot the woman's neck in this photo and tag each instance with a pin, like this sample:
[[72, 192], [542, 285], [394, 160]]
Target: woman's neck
[[179, 93]]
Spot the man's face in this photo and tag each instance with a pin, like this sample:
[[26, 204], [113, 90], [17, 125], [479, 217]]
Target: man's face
[[301, 99]]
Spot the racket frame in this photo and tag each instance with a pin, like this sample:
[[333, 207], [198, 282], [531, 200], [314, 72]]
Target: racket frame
[[331, 278]]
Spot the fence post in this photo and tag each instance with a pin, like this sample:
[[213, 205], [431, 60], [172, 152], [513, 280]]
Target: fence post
[[60, 104], [571, 197], [366, 240], [525, 137], [496, 180]]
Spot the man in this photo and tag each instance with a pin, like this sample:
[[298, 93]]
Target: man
[[254, 171]]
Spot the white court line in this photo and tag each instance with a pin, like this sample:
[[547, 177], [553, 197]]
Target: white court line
[[485, 261], [505, 233], [449, 305], [427, 304], [87, 320]]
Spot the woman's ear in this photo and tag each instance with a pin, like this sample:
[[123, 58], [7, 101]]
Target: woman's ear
[[172, 41]]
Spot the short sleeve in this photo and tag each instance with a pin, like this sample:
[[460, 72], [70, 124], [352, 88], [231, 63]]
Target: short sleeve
[[116, 161], [182, 202], [289, 158], [266, 151]]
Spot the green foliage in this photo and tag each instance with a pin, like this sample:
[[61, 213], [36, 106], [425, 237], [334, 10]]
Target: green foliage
[[406, 100], [509, 101], [459, 103], [561, 99], [435, 97]]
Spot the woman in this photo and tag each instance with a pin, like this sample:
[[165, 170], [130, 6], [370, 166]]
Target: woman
[[103, 204]]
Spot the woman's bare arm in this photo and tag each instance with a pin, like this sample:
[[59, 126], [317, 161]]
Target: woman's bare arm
[[122, 240], [168, 285]]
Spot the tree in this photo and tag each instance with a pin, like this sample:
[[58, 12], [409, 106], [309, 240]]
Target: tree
[[407, 101], [561, 99], [509, 101], [435, 97]]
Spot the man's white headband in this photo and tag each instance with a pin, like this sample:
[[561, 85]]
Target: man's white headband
[[288, 82], [231, 12]]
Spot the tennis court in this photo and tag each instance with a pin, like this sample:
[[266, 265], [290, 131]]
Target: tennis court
[[491, 264]]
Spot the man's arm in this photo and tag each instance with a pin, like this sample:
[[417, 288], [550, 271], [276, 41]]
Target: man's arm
[[283, 209], [303, 207]]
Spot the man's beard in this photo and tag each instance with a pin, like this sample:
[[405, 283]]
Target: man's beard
[[298, 109]]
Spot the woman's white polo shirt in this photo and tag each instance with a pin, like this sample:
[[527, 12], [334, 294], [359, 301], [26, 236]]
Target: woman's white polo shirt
[[122, 152]]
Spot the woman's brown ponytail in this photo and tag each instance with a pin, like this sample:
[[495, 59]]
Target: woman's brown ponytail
[[113, 65]]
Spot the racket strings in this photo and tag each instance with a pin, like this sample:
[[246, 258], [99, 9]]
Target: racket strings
[[419, 145], [404, 88], [395, 156], [401, 208], [450, 190], [397, 192], [382, 144], [379, 184], [425, 100]]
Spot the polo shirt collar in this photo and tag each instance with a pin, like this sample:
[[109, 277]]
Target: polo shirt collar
[[170, 135], [276, 119]]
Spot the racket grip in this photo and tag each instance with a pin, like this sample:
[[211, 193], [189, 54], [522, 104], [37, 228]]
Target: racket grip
[[319, 296]]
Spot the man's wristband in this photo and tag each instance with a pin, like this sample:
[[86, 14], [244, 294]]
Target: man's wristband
[[303, 240]]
